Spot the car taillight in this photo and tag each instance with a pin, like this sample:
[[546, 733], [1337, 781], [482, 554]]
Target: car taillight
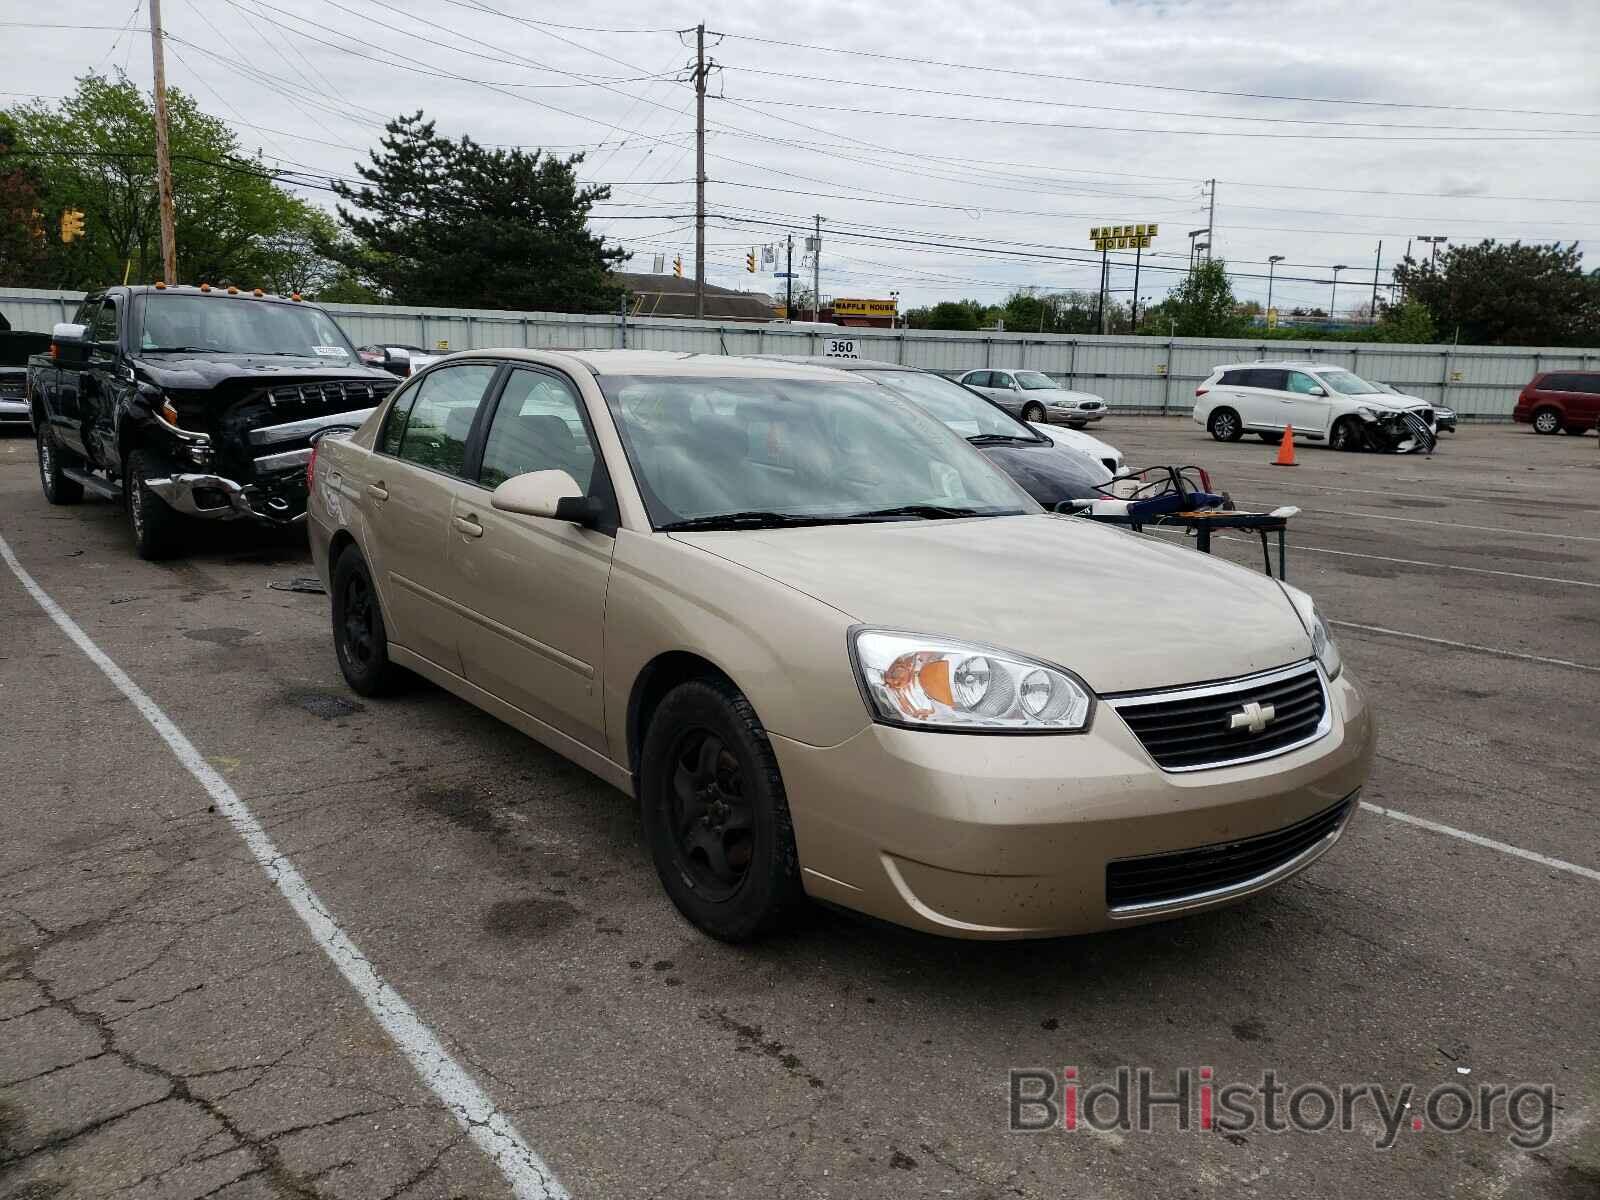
[[1201, 391], [311, 468]]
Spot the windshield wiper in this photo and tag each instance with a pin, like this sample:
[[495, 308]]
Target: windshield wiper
[[181, 350], [1002, 439], [756, 519], [928, 512]]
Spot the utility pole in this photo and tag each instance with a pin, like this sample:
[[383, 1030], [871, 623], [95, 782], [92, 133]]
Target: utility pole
[[816, 272], [788, 304], [1377, 266], [699, 168], [169, 239], [1105, 285], [1133, 324], [1211, 222]]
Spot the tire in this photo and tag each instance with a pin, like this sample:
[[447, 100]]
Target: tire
[[1271, 439], [1546, 420], [1225, 425], [360, 638], [1345, 435], [1575, 430], [157, 529], [1033, 412], [58, 489], [715, 814]]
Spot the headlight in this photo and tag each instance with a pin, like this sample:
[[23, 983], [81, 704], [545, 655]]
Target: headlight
[[1366, 412], [1322, 643], [936, 683]]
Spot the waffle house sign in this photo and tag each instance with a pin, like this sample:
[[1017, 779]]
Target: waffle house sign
[[1122, 237]]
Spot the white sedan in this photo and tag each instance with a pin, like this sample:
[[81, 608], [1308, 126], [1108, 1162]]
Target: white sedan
[[1076, 439]]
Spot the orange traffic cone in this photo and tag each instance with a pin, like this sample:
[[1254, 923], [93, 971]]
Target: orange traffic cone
[[1286, 449]]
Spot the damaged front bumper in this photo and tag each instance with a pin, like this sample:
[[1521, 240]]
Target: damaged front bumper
[[1399, 432], [217, 498]]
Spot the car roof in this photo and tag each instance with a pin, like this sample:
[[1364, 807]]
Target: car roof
[[657, 362], [840, 364], [1299, 364]]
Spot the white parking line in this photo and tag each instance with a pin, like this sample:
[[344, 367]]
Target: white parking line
[[525, 1171], [1543, 860], [1437, 641], [1386, 492], [1565, 537]]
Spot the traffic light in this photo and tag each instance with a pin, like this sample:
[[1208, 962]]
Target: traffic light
[[677, 266], [71, 224], [750, 262]]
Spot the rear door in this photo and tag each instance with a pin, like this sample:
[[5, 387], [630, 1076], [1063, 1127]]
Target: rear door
[[408, 497], [534, 589], [1260, 392]]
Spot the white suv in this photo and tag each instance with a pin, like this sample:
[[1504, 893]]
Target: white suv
[[1034, 396], [1322, 403]]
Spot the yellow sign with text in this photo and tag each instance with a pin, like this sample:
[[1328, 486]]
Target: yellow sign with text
[[1123, 237], [864, 308]]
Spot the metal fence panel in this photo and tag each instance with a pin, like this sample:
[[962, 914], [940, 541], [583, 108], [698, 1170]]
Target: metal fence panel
[[1132, 373]]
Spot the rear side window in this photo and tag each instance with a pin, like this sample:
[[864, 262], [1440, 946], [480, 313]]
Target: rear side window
[[1266, 377], [394, 425], [1231, 379], [978, 379], [1573, 382], [436, 431]]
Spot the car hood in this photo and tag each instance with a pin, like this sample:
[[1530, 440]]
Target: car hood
[[1124, 611], [1076, 439], [202, 371], [1051, 395], [1396, 401], [1048, 472]]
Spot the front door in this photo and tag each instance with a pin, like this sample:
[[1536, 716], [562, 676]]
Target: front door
[[535, 588], [408, 500], [1303, 407]]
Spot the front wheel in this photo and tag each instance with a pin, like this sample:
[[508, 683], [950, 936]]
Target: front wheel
[[58, 489], [715, 814], [360, 638], [157, 528], [1345, 435], [1576, 430], [1225, 426], [1546, 420], [1033, 412]]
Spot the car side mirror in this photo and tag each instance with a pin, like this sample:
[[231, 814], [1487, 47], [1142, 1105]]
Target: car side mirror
[[69, 343], [554, 495], [1318, 391]]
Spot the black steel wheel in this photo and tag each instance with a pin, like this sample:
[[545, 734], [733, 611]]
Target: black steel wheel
[[158, 529], [715, 813], [360, 638]]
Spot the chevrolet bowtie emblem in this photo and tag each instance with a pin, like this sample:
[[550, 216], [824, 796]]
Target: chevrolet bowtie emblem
[[1254, 717]]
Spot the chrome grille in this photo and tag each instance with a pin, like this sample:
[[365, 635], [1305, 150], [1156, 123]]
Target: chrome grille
[[1236, 721]]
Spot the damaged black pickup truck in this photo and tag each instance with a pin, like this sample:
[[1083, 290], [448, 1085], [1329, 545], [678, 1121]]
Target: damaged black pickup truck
[[193, 403]]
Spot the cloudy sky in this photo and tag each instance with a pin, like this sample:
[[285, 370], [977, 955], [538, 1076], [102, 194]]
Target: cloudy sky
[[953, 149]]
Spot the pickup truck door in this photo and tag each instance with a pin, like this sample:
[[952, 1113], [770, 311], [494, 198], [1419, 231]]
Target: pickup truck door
[[407, 499], [59, 388], [99, 384]]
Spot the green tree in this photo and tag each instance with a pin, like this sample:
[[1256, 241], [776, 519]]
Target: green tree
[[1202, 305], [1506, 294], [95, 152], [949, 314], [23, 238], [456, 223], [1408, 322]]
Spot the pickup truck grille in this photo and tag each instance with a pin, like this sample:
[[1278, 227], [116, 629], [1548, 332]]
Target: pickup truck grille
[[13, 387], [344, 393]]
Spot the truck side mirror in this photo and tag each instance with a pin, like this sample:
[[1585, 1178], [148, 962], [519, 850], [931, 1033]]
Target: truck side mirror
[[69, 343]]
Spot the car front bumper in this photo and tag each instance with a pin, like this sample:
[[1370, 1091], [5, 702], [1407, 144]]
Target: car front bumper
[[1006, 836], [217, 498], [1076, 416], [14, 411]]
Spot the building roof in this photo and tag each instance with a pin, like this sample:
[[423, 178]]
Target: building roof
[[670, 296]]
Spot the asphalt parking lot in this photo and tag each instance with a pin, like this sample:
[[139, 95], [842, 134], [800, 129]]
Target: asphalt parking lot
[[170, 1026]]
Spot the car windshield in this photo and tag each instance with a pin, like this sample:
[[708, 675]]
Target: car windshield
[[1036, 381], [967, 413], [1350, 385], [733, 452], [227, 325]]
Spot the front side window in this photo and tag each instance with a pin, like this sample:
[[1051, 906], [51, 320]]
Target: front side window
[[1302, 384], [1348, 384], [104, 329], [538, 426], [959, 409], [1586, 383], [1036, 381], [778, 451], [436, 432]]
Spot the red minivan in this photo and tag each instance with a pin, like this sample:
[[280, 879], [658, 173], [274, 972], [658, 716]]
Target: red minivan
[[1555, 400]]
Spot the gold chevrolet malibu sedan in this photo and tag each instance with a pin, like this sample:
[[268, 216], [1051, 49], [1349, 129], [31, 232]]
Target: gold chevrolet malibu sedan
[[831, 649]]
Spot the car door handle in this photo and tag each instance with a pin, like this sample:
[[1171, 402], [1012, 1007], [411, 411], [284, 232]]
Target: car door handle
[[377, 491], [469, 526]]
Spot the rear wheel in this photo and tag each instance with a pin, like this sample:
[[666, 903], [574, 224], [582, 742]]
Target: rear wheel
[[1576, 430], [1225, 426], [1033, 412], [360, 638], [58, 489], [1345, 435], [1546, 420], [715, 814], [157, 528]]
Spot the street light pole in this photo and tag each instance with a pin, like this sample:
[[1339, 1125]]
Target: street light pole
[[1272, 267], [1194, 233], [1422, 237], [1333, 301]]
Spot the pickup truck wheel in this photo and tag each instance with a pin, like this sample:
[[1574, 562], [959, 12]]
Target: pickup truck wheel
[[58, 489], [360, 638], [157, 528], [715, 815]]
